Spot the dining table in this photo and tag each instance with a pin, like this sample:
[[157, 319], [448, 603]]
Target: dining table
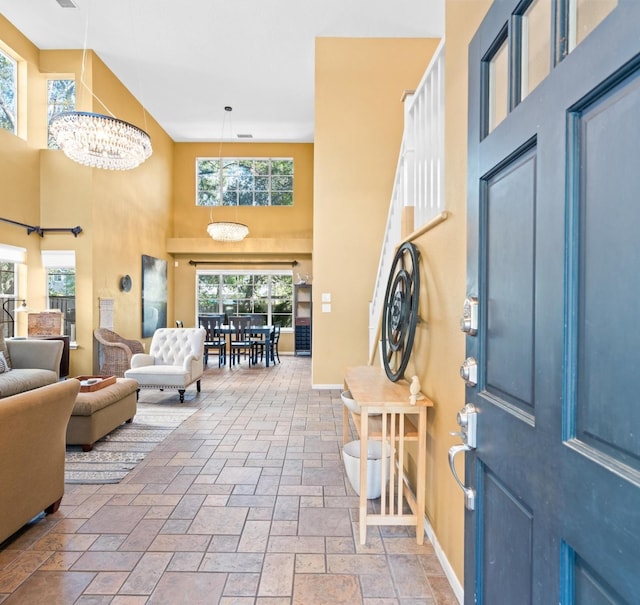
[[263, 330]]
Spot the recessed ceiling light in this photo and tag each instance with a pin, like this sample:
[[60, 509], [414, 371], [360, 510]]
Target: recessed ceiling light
[[67, 3]]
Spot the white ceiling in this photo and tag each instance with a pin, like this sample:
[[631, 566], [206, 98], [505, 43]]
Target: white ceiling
[[187, 59]]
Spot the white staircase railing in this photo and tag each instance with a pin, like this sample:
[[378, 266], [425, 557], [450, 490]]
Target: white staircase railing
[[419, 180]]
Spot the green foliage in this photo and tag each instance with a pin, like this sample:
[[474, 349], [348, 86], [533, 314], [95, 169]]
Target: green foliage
[[244, 182], [7, 279], [61, 96], [8, 90], [243, 293], [61, 282]]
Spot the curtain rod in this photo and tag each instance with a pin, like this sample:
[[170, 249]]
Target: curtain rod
[[195, 263], [41, 230]]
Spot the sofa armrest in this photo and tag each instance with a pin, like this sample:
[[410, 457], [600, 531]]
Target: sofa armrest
[[35, 354], [33, 427], [194, 365], [140, 360]]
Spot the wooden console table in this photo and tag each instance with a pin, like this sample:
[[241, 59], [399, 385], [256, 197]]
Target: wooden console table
[[399, 422]]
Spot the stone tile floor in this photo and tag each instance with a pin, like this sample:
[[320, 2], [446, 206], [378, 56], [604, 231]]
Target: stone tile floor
[[245, 503]]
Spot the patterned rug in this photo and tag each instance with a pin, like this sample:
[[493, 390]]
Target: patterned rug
[[117, 453]]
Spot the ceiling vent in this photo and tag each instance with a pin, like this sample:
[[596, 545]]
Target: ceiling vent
[[245, 136], [67, 3]]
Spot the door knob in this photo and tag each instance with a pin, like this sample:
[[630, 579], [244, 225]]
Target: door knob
[[469, 371]]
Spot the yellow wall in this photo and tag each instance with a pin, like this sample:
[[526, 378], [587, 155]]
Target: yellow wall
[[123, 214], [358, 130], [275, 233]]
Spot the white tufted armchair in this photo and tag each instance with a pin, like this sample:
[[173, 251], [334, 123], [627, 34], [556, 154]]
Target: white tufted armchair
[[175, 360]]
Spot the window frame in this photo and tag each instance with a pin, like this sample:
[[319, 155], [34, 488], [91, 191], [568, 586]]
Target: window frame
[[55, 106], [14, 89], [224, 307], [248, 187]]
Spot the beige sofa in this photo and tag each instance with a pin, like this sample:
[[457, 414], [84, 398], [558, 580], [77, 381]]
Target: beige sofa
[[34, 364], [33, 428]]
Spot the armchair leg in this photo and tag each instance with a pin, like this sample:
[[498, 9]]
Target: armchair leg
[[181, 393], [198, 386], [137, 394]]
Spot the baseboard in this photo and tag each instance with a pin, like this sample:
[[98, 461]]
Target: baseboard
[[457, 588], [326, 387]]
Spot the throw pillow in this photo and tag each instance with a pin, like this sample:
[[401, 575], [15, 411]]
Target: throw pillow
[[4, 366], [3, 349]]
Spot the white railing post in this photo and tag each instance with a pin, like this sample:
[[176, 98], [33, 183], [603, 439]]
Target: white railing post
[[419, 179]]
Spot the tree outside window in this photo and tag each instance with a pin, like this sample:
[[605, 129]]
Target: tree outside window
[[61, 291], [8, 92], [61, 96], [267, 294], [244, 182]]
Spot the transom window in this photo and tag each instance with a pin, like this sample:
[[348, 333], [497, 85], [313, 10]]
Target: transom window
[[8, 92], [61, 96], [269, 294], [539, 35], [244, 181]]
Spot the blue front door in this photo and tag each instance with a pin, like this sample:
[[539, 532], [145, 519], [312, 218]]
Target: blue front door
[[554, 262]]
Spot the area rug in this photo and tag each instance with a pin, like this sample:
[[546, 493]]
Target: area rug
[[117, 453]]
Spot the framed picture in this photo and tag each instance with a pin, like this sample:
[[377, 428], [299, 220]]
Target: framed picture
[[154, 295]]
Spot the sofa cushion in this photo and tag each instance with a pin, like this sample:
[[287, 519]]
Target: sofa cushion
[[4, 349], [4, 364], [17, 381]]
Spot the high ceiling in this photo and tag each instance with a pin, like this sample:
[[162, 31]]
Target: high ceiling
[[185, 60]]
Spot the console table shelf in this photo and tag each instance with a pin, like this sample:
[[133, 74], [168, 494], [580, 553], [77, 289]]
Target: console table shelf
[[396, 422]]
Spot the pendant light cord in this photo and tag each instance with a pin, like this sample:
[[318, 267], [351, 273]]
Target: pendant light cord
[[84, 58]]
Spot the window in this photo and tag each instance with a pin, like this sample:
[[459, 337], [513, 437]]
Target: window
[[61, 96], [7, 297], [8, 92], [244, 182], [498, 83], [269, 294], [61, 286], [536, 45]]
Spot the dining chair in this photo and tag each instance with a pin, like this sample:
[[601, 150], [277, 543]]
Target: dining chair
[[273, 353], [240, 342], [214, 340]]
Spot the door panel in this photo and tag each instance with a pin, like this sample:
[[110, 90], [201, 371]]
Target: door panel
[[507, 556], [608, 259], [509, 197], [554, 261]]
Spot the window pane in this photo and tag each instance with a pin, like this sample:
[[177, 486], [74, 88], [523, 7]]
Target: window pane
[[498, 86], [61, 292], [584, 17], [7, 279], [61, 96], [8, 92], [536, 45], [244, 181], [267, 294]]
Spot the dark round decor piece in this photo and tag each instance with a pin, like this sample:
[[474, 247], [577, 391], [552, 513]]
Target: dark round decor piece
[[125, 283], [400, 314]]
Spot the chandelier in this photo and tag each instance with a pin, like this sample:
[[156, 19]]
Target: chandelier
[[100, 141], [225, 231]]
